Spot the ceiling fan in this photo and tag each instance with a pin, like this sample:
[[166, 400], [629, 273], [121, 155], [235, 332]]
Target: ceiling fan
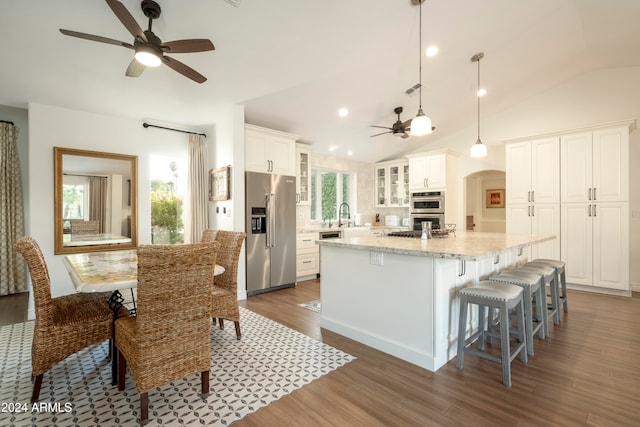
[[399, 128], [149, 49]]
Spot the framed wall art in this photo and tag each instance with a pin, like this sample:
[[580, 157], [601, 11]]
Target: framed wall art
[[219, 184], [495, 198]]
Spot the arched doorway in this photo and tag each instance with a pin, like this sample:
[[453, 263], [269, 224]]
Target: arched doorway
[[478, 214]]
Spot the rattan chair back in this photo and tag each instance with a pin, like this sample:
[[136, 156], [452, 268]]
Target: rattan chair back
[[40, 280]]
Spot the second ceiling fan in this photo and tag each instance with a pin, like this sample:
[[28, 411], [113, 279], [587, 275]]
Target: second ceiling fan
[[149, 49], [399, 128]]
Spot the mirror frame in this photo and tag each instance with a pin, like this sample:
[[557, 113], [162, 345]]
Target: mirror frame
[[58, 174]]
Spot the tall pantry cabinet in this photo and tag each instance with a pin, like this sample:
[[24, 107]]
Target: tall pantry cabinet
[[533, 192], [595, 207]]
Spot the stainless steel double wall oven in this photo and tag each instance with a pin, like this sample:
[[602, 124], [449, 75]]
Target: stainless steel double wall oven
[[426, 206]]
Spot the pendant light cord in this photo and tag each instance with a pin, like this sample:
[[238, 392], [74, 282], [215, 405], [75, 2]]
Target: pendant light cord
[[420, 55], [478, 95]]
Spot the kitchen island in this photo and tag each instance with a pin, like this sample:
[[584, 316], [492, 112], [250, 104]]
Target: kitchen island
[[400, 295]]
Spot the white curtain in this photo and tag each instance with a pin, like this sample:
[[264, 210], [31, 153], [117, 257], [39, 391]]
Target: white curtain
[[12, 267], [197, 189]]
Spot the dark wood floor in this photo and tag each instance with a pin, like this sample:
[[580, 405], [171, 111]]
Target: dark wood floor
[[586, 373]]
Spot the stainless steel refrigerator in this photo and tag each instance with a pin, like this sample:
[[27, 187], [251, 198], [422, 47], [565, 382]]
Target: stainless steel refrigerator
[[270, 212]]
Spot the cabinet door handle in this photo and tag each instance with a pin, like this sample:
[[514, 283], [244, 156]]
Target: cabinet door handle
[[589, 196], [306, 262], [533, 196], [594, 194], [306, 240], [529, 196], [463, 268], [533, 210], [594, 211], [529, 210], [496, 260], [589, 210]]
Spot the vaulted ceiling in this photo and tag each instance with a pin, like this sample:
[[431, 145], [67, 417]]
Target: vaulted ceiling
[[294, 63]]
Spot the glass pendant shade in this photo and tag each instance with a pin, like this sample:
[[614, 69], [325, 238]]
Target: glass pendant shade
[[421, 125], [478, 149], [147, 56]]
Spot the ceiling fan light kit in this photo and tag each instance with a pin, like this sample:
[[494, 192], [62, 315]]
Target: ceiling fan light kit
[[149, 49], [421, 124], [478, 149]]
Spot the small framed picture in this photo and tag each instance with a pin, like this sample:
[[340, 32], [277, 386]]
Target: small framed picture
[[219, 184], [495, 198]]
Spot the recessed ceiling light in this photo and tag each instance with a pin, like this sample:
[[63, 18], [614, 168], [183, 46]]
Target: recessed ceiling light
[[431, 51], [350, 153], [343, 112], [482, 92], [333, 148]]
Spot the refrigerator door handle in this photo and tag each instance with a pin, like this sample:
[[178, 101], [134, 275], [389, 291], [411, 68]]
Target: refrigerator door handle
[[267, 206], [272, 219]]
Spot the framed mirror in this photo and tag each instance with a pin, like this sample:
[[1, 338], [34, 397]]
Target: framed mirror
[[95, 201]]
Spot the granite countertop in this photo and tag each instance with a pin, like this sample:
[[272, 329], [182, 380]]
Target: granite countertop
[[318, 228], [465, 246]]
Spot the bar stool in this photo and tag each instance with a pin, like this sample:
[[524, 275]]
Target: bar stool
[[549, 274], [500, 296], [560, 273], [532, 290]]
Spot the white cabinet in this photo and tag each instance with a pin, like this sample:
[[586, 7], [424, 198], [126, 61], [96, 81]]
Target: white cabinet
[[533, 192], [533, 171], [307, 256], [428, 171], [595, 166], [595, 208], [269, 151], [303, 175], [392, 184]]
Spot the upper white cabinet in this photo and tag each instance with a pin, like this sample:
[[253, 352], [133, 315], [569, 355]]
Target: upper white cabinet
[[392, 184], [533, 171], [428, 172], [595, 166], [303, 175], [269, 151]]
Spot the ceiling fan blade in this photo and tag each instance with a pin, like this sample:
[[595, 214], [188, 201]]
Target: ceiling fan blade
[[127, 20], [183, 69], [381, 127], [188, 45], [95, 38], [378, 134], [404, 135], [134, 69]]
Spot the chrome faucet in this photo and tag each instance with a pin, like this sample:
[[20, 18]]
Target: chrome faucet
[[340, 213]]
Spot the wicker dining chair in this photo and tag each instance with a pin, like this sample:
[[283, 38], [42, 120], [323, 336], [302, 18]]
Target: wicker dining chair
[[85, 227], [170, 337], [63, 325], [224, 301]]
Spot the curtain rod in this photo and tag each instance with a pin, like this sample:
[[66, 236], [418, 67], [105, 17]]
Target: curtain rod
[[146, 125], [7, 121]]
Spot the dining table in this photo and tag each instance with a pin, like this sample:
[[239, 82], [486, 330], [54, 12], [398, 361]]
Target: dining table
[[109, 271]]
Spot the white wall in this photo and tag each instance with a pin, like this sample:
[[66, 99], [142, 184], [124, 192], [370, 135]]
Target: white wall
[[51, 126]]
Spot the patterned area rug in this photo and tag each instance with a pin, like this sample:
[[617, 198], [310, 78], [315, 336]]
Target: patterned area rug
[[312, 305], [269, 362]]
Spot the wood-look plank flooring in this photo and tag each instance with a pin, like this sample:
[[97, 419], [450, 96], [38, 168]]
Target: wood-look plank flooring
[[586, 373]]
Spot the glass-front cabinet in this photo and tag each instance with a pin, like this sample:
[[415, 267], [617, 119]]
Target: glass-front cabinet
[[303, 182], [392, 184]]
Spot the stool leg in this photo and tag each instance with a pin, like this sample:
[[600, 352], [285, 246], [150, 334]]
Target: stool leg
[[563, 281], [484, 324], [541, 308], [554, 302], [505, 345], [462, 331], [521, 332], [528, 313]]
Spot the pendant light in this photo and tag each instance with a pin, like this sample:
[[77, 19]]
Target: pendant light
[[478, 149], [421, 124]]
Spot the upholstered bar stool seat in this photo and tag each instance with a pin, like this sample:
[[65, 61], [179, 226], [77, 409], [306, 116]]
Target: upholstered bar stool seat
[[549, 275], [532, 290], [503, 297], [560, 274]]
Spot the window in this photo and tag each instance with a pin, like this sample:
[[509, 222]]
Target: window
[[328, 190], [168, 180]]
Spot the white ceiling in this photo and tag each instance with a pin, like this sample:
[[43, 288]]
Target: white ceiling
[[293, 63]]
